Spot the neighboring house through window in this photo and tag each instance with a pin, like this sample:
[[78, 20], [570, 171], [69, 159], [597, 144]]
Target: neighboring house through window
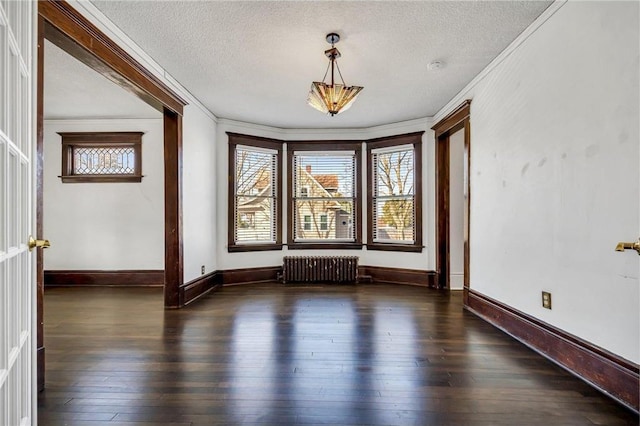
[[255, 193], [324, 206], [323, 186]]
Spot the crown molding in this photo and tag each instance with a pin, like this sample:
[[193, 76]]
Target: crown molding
[[285, 134], [515, 44]]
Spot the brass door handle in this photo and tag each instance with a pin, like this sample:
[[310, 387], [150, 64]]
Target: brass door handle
[[33, 243], [629, 246]]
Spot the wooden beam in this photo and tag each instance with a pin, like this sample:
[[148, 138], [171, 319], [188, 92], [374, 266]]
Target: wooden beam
[[75, 34]]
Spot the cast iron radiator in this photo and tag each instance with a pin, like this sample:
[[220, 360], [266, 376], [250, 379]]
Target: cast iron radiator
[[314, 269]]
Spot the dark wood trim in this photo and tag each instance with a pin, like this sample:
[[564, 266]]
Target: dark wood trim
[[457, 120], [201, 286], [467, 204], [408, 248], [99, 139], [414, 139], [117, 278], [442, 210], [327, 145], [102, 179], [236, 139], [173, 255], [604, 370], [403, 276], [270, 274], [325, 246], [39, 206], [453, 121], [73, 140], [395, 140], [250, 275], [40, 361], [75, 34], [242, 248], [259, 141]]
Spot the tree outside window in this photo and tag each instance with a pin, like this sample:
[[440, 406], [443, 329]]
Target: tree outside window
[[254, 189], [395, 193], [324, 204]]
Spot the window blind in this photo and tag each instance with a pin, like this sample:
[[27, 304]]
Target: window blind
[[324, 196], [255, 195], [393, 195]]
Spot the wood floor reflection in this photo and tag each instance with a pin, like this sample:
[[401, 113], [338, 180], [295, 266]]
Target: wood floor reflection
[[285, 355]]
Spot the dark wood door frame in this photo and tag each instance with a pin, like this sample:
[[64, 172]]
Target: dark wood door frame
[[62, 25], [458, 119]]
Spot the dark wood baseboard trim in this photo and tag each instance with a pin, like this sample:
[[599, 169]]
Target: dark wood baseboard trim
[[615, 376], [40, 359], [195, 289], [250, 275], [415, 277], [377, 273], [141, 278]]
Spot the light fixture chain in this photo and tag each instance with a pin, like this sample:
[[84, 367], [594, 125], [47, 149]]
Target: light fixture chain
[[326, 72], [340, 74]]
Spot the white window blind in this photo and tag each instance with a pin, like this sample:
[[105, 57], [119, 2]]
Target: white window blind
[[255, 195], [324, 196], [393, 195]]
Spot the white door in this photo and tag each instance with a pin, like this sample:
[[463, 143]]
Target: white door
[[16, 148]]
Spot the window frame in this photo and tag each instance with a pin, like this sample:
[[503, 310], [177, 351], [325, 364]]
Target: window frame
[[73, 140], [414, 139], [325, 145], [324, 224], [236, 139], [306, 224]]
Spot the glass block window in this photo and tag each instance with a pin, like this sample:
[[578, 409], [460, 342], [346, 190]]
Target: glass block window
[[102, 157]]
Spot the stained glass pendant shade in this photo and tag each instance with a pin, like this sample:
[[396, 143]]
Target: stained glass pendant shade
[[332, 98]]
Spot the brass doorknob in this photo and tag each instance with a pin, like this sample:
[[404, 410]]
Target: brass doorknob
[[33, 243], [629, 246]]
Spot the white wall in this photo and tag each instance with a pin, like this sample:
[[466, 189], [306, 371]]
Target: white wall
[[456, 210], [107, 226], [554, 174], [199, 145], [199, 209], [422, 261]]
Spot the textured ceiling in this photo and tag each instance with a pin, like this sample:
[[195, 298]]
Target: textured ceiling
[[254, 61], [73, 90]]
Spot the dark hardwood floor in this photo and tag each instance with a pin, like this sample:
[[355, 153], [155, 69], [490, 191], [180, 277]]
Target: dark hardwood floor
[[280, 355]]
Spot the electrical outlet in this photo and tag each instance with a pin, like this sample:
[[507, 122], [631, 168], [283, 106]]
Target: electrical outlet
[[202, 270], [546, 300]]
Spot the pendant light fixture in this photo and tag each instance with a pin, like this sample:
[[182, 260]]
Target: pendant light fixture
[[332, 98]]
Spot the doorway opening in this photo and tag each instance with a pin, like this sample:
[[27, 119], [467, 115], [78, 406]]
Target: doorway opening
[[63, 26], [452, 139]]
